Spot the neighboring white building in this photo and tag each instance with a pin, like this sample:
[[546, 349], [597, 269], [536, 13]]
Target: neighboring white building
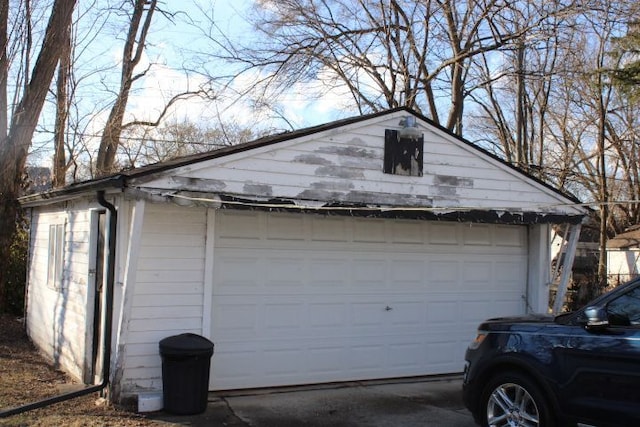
[[623, 256], [339, 252]]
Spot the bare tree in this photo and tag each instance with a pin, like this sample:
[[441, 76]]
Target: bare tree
[[139, 26], [14, 144], [132, 54], [60, 163], [4, 69], [384, 54], [142, 145]]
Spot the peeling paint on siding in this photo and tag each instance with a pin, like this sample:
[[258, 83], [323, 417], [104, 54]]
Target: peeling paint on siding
[[365, 197], [339, 172], [348, 151], [454, 181], [312, 159], [332, 185], [258, 189], [447, 191], [320, 194], [199, 184], [389, 199]]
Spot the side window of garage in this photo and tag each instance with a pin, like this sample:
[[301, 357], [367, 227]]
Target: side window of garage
[[55, 264]]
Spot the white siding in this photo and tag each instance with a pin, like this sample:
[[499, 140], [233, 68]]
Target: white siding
[[345, 164], [56, 317], [623, 265], [168, 293]]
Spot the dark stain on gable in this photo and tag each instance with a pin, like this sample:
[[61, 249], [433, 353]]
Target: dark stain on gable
[[331, 193], [339, 172], [349, 151], [199, 184], [320, 194], [332, 185], [258, 189], [397, 199], [326, 190], [453, 181], [312, 159]]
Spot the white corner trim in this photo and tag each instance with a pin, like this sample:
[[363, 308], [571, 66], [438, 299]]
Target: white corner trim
[[207, 287]]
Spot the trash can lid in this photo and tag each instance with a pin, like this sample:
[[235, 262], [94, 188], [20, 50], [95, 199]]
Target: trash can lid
[[186, 344]]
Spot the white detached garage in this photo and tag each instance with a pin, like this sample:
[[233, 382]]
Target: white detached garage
[[365, 248]]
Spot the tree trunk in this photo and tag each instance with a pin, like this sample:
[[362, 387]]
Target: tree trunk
[[110, 140], [14, 147], [64, 69], [4, 68]]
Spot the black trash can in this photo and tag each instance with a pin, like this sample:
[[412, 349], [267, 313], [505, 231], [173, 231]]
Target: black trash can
[[185, 373]]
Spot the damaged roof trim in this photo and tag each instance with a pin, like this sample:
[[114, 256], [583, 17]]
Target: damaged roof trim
[[457, 214], [113, 182], [489, 216]]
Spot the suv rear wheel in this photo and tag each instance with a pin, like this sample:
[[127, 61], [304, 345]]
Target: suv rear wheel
[[512, 399]]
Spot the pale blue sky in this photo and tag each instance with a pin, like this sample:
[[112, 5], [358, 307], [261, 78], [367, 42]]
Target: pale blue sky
[[172, 45]]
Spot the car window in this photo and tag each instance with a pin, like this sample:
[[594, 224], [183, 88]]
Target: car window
[[625, 310]]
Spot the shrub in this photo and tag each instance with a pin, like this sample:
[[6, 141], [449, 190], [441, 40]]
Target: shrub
[[16, 273]]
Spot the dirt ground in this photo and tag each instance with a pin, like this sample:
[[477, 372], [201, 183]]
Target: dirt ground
[[25, 377]]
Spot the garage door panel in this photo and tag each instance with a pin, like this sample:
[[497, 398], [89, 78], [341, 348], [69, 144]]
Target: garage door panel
[[407, 274], [407, 314], [368, 314], [477, 235], [328, 315], [326, 359], [337, 299], [408, 356], [239, 271], [443, 234], [328, 272], [477, 273], [284, 271], [441, 353], [366, 358], [285, 227], [282, 317], [508, 272], [407, 232], [234, 364], [372, 231], [370, 273], [282, 362], [329, 229], [511, 236], [444, 312], [234, 317], [443, 275]]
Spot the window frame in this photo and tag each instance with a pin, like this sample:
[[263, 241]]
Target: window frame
[[403, 156], [55, 255]]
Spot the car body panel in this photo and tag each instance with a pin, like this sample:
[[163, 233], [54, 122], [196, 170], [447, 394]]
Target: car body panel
[[589, 374]]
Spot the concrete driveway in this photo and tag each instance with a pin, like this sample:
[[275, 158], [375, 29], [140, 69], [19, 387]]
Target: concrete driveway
[[414, 402]]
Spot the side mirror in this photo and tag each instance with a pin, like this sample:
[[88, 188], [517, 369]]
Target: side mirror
[[596, 317]]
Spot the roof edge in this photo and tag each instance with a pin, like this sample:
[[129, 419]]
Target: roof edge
[[56, 195]]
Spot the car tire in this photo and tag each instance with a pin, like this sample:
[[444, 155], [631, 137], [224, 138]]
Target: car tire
[[513, 399]]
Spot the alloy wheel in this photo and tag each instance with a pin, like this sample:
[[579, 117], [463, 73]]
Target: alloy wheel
[[511, 405]]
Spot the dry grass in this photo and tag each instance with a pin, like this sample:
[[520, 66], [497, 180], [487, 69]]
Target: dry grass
[[25, 377]]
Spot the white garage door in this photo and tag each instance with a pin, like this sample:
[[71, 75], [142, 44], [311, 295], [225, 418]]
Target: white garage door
[[303, 299]]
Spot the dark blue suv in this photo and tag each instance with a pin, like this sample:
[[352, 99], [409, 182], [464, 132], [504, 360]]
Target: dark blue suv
[[580, 367]]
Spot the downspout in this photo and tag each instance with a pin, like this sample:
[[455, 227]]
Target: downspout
[[106, 365]]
